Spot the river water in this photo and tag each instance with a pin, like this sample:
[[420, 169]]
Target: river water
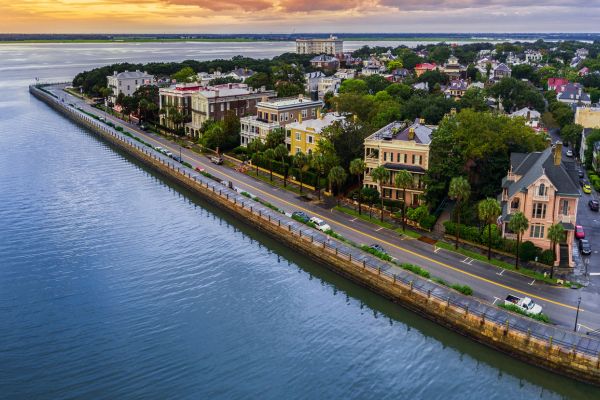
[[117, 284]]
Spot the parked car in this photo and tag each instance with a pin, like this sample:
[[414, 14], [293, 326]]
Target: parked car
[[525, 304], [378, 248], [569, 153], [177, 158], [168, 153], [143, 127], [587, 189], [579, 232], [216, 160], [301, 216], [584, 247], [321, 225], [580, 173], [158, 148], [199, 169], [594, 205]]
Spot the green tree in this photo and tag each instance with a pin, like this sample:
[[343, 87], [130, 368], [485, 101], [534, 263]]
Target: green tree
[[301, 163], [489, 210], [258, 80], [185, 74], [459, 191], [337, 177], [275, 137], [355, 86], [281, 152], [404, 180], [394, 64], [556, 234], [381, 176], [376, 83], [572, 134], [518, 224], [270, 155], [357, 168], [371, 196]]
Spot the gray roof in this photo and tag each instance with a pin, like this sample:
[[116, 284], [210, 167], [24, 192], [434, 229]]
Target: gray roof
[[531, 166], [575, 90], [132, 75], [502, 67], [399, 131], [324, 58]]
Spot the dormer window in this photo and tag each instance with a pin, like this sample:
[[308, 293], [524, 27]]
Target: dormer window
[[515, 204], [542, 190]]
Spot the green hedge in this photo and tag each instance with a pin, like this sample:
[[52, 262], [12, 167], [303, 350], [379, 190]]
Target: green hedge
[[464, 289], [511, 307]]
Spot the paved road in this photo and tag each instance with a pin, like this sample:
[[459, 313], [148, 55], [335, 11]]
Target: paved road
[[489, 282]]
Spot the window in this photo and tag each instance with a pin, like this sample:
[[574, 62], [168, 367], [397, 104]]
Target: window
[[542, 190], [304, 113], [537, 231], [222, 106], [564, 207], [398, 157], [298, 150], [539, 210], [405, 158], [313, 112], [309, 139], [413, 159], [514, 204], [385, 156], [298, 137]]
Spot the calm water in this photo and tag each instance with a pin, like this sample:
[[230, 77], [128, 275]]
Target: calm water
[[115, 284]]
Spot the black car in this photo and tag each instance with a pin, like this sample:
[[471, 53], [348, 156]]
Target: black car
[[378, 248], [594, 205], [299, 215], [177, 158], [584, 247]]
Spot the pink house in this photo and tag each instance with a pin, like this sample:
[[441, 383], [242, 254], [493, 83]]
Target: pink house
[[542, 186]]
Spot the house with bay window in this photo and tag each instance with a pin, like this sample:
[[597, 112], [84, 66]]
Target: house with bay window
[[543, 187]]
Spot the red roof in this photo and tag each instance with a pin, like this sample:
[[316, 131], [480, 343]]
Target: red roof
[[557, 82], [429, 66]]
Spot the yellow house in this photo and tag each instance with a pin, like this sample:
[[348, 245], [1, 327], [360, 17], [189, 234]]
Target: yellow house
[[303, 136]]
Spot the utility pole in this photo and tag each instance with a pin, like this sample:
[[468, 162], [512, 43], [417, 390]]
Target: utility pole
[[577, 315]]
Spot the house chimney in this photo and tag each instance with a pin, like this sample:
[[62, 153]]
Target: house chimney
[[318, 113], [421, 120], [411, 133], [557, 153]]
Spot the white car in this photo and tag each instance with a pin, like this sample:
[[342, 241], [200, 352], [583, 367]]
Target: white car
[[321, 225], [569, 153]]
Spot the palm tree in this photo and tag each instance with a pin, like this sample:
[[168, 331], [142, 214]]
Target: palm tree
[[460, 191], [556, 233], [358, 167], [317, 161], [280, 152], [269, 155], [380, 175], [301, 162], [518, 224], [337, 176], [404, 180], [489, 210]]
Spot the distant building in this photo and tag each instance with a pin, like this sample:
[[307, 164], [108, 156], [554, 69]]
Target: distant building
[[127, 83], [532, 117], [572, 93], [215, 102], [500, 71], [533, 56], [513, 59], [332, 46], [325, 62], [542, 186], [557, 84], [304, 135], [456, 88], [400, 74], [329, 84], [176, 98], [583, 71], [420, 69], [399, 146], [453, 69], [277, 113], [345, 73]]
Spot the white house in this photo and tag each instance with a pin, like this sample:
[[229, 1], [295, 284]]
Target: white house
[[128, 82]]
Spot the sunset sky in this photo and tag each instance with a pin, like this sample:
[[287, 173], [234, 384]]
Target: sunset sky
[[288, 16]]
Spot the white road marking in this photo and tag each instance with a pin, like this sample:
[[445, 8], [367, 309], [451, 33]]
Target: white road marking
[[436, 249], [500, 273], [532, 282], [495, 300], [352, 220], [377, 230], [594, 273]]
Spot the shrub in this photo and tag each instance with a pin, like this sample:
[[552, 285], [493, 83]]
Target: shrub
[[464, 289], [119, 128], [378, 254], [547, 257], [529, 251], [428, 221], [512, 307], [439, 281], [240, 150], [416, 270], [496, 235]]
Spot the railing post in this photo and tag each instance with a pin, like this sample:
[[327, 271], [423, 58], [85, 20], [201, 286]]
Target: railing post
[[550, 342], [364, 264], [336, 251], [429, 293], [507, 328], [394, 279], [350, 257]]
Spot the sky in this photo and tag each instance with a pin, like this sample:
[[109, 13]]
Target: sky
[[297, 16]]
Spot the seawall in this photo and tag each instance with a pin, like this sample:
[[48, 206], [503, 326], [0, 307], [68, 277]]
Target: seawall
[[550, 347]]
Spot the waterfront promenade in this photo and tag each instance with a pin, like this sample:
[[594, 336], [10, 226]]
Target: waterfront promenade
[[471, 306], [489, 283]]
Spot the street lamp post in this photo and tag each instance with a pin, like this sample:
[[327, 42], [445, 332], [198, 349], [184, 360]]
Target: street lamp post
[[577, 315]]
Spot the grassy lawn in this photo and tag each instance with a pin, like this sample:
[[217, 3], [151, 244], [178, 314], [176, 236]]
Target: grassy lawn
[[375, 220], [496, 262]]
